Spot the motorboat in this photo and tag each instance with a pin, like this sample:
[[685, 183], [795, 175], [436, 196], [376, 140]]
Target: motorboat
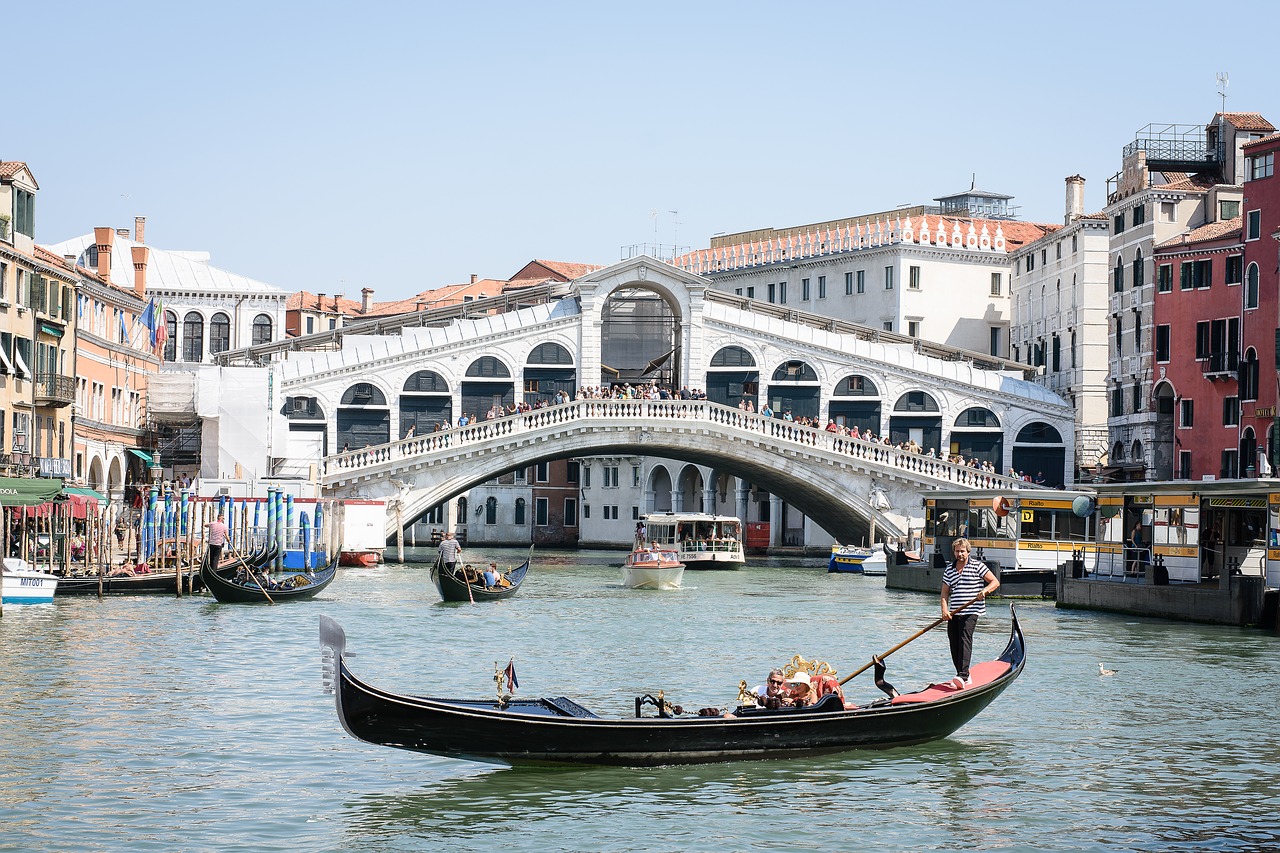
[[852, 558], [700, 540], [652, 568], [22, 584]]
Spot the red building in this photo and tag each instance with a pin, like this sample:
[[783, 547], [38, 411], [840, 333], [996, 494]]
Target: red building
[[1204, 385], [1260, 226]]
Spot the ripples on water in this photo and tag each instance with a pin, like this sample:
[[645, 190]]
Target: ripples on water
[[161, 724]]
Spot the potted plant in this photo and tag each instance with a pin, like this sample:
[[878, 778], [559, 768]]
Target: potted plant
[[4, 225]]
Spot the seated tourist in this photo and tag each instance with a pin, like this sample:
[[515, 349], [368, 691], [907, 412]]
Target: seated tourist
[[800, 689], [124, 570], [773, 693]]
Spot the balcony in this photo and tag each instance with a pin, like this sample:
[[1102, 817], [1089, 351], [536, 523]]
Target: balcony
[[54, 389], [1222, 365]]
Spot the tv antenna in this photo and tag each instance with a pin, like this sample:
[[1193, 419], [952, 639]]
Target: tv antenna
[[675, 229], [653, 214], [1224, 79]]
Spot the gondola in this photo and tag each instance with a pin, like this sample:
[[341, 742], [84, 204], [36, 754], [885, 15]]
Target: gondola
[[226, 589], [560, 731], [453, 587], [152, 583]]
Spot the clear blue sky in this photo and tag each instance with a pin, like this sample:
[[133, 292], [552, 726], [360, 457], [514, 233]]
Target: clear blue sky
[[403, 146]]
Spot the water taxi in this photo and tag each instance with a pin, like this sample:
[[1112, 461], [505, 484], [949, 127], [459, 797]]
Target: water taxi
[[652, 568], [700, 540], [21, 584]]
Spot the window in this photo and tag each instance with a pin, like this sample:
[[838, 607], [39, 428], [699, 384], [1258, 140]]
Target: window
[[540, 512], [1075, 243], [997, 283], [888, 325], [1057, 247], [573, 471], [773, 293], [542, 474], [888, 278], [1056, 358], [219, 333], [1119, 334], [193, 337], [586, 477], [1164, 278], [586, 508], [1162, 343], [1195, 275], [1234, 264], [1139, 214], [822, 287], [262, 329], [1118, 222], [751, 292], [913, 328], [570, 512], [848, 284], [1139, 270], [24, 212], [1262, 166], [1251, 287], [1228, 210], [862, 281], [610, 477], [804, 290], [635, 476], [635, 513], [519, 519], [995, 340], [1230, 465], [1117, 403], [1031, 261], [1168, 211], [4, 286], [913, 278], [1230, 411], [1117, 277], [491, 511], [1137, 402], [782, 293], [1186, 413], [171, 336], [1253, 225], [311, 325], [1202, 340]]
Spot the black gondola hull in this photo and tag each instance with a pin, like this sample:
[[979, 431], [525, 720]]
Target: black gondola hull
[[155, 583], [546, 731], [455, 589], [226, 590]]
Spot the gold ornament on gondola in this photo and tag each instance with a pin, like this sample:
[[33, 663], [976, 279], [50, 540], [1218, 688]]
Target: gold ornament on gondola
[[812, 667]]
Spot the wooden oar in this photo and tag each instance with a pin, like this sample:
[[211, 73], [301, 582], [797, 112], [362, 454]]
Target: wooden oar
[[918, 634], [261, 586]]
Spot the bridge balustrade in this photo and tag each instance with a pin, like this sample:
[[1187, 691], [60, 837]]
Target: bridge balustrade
[[783, 432]]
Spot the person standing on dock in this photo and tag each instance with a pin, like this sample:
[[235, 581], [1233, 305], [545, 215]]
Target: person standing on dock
[[450, 548], [962, 582], [216, 538]]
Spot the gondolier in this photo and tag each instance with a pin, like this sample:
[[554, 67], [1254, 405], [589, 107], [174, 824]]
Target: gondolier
[[450, 548], [963, 581], [216, 539]]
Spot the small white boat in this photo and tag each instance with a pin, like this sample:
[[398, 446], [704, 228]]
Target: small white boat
[[24, 585], [877, 565], [652, 568]]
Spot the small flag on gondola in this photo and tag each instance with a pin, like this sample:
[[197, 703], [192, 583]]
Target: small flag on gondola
[[510, 674]]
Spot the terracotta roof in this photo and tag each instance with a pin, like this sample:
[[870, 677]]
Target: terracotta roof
[[9, 168], [1098, 215], [449, 294], [560, 270], [1018, 234], [1266, 140], [1245, 121], [1205, 233], [1184, 182], [308, 300]]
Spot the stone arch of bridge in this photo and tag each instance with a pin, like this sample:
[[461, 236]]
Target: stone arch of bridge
[[833, 492]]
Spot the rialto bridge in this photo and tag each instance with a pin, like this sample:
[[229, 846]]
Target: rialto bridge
[[381, 411]]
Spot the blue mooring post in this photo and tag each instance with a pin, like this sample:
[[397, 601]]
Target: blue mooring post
[[305, 521]]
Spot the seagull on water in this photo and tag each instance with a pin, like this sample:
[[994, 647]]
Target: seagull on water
[[1102, 670]]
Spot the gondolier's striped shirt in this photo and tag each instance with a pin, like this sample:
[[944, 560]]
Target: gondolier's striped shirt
[[966, 585]]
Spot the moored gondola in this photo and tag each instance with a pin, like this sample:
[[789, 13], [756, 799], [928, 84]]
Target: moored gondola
[[558, 730], [452, 586], [152, 583], [228, 585]]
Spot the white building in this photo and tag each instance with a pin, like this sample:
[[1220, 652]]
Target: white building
[[1059, 296]]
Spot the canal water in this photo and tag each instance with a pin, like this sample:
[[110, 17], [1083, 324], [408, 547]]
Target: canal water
[[159, 724]]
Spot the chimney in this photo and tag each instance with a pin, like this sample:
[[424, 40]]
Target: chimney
[[319, 301], [337, 300], [102, 238], [139, 228], [474, 278], [366, 299], [122, 232], [1075, 199], [140, 255]]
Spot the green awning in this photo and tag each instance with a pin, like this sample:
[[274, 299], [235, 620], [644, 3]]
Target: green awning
[[143, 455], [21, 491], [88, 493], [51, 330]]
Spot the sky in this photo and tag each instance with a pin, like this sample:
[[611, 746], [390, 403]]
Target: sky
[[331, 147]]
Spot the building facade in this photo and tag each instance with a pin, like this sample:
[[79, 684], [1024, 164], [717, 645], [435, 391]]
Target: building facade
[[1059, 312]]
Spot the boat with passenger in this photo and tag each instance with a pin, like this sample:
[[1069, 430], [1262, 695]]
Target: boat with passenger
[[469, 583], [700, 540], [650, 567]]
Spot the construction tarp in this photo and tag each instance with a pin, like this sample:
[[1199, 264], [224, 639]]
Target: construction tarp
[[24, 491]]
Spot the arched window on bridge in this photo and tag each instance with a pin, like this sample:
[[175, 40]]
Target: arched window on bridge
[[425, 402], [219, 333], [795, 389], [193, 337], [491, 511], [308, 435], [732, 378], [363, 417], [548, 370], [977, 434], [487, 387], [916, 417], [262, 329], [861, 413], [1039, 452]]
